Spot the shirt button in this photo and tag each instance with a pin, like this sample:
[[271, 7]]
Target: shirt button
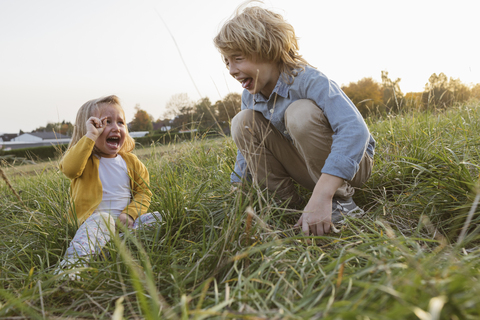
[[286, 132], [271, 110]]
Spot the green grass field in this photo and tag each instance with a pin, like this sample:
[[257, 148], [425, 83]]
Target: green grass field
[[227, 255]]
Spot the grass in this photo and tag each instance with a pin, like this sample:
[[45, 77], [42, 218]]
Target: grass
[[228, 255]]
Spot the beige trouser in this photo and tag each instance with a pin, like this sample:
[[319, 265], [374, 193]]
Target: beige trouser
[[274, 161]]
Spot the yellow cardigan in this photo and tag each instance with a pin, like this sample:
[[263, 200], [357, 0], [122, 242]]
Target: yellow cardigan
[[81, 167]]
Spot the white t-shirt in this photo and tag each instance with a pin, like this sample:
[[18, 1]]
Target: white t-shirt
[[115, 184]]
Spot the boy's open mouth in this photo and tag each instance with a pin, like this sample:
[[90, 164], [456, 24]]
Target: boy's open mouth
[[246, 82], [113, 142]]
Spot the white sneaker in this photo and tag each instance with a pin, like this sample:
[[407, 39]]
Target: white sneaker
[[67, 267], [345, 208]]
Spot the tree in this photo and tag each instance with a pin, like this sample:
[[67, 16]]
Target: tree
[[228, 107], [392, 95], [443, 92], [64, 127], [413, 100], [204, 114], [142, 121], [475, 91], [436, 91], [179, 104], [366, 94], [180, 109], [460, 91], [162, 124]]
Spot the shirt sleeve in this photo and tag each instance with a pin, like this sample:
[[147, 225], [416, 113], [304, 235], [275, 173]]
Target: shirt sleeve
[[240, 170], [351, 135]]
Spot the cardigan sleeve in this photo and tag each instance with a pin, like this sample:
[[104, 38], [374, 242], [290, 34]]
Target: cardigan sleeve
[[75, 159], [140, 185]]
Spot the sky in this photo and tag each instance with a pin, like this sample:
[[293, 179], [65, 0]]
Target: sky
[[57, 54]]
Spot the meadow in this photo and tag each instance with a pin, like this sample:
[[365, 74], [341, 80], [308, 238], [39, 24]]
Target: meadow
[[225, 254]]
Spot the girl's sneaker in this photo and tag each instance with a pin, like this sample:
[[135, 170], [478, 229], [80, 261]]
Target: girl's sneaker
[[66, 265]]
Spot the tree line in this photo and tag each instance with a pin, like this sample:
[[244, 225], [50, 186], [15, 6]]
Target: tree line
[[371, 98], [440, 92], [183, 114], [64, 127]]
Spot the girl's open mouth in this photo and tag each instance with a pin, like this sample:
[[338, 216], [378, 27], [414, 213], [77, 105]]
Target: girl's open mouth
[[113, 142]]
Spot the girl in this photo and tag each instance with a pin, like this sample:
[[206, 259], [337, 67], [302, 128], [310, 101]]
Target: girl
[[108, 183]]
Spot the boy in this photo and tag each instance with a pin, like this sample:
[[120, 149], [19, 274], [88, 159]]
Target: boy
[[295, 123]]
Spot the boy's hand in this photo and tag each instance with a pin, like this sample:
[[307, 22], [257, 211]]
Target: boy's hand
[[126, 220], [316, 217], [236, 186], [95, 127]]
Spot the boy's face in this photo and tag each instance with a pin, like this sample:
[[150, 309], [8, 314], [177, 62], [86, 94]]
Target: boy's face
[[113, 136], [254, 75]]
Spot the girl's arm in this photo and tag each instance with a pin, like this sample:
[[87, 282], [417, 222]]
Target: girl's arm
[[140, 184], [74, 161]]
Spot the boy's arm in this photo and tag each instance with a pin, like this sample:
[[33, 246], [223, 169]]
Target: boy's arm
[[351, 135], [75, 159], [240, 171], [141, 191], [350, 141]]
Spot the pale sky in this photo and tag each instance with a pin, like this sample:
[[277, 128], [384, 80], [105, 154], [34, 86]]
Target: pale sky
[[57, 54]]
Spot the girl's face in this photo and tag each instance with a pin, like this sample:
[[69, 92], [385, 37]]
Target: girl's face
[[113, 136]]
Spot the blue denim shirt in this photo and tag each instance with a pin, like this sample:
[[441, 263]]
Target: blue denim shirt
[[351, 138]]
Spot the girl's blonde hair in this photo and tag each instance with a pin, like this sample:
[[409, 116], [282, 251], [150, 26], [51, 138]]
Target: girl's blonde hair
[[91, 108], [255, 30]]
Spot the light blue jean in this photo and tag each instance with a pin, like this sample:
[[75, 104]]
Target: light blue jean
[[95, 232]]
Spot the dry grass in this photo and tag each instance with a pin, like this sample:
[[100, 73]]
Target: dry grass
[[224, 255]]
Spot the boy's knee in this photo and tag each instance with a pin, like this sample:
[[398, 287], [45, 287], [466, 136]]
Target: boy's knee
[[244, 120], [302, 117]]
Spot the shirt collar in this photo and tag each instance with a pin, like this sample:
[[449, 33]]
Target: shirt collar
[[281, 89]]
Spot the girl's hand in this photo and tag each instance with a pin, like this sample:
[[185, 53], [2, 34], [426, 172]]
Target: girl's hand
[[126, 220], [95, 127]]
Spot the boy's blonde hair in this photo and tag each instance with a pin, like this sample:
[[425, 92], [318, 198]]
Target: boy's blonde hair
[[255, 30], [91, 108]]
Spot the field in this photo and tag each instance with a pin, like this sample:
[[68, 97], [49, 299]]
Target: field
[[223, 254]]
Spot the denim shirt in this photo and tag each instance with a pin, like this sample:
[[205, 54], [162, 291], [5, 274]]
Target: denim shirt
[[351, 138]]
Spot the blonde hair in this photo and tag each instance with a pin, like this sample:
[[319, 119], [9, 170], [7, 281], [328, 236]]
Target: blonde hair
[[254, 30], [91, 108]]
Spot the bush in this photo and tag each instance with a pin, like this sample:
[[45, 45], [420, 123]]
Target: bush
[[167, 138], [36, 153]]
